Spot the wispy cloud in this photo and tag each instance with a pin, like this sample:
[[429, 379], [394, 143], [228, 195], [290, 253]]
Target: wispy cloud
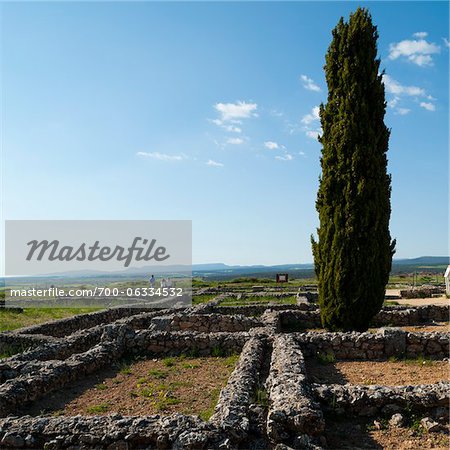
[[428, 106], [276, 113], [227, 127], [309, 84], [271, 145], [446, 42], [311, 117], [394, 87], [212, 163], [418, 51], [309, 121], [402, 111], [161, 156], [235, 141], [286, 157], [234, 112], [313, 134], [302, 154], [398, 90]]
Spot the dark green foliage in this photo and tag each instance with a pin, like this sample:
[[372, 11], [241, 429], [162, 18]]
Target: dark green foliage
[[353, 254]]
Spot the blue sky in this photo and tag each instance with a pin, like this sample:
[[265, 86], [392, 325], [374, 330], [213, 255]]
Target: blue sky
[[206, 111]]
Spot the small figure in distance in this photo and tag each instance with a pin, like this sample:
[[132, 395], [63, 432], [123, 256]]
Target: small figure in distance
[[152, 281], [163, 283]]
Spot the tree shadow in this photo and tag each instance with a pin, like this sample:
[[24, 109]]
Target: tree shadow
[[323, 372]]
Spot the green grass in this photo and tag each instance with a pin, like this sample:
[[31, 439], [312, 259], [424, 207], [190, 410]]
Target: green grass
[[419, 361], [326, 358], [13, 350], [199, 299], [231, 360], [98, 409], [33, 316], [231, 301], [189, 365], [158, 374], [169, 362], [208, 412], [261, 397], [125, 369], [101, 387]]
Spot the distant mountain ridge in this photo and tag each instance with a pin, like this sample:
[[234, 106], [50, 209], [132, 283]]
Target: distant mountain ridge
[[433, 260], [434, 264]]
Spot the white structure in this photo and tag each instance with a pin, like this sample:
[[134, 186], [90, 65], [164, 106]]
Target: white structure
[[447, 280]]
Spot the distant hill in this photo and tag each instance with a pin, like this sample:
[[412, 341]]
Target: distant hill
[[221, 271], [424, 260]]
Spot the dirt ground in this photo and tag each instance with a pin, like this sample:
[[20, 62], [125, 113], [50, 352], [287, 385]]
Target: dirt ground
[[186, 385], [435, 326], [443, 300], [389, 373], [356, 433], [443, 327]]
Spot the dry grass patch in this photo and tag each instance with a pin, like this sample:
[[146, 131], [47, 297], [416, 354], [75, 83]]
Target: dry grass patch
[[389, 373], [355, 432], [152, 386]]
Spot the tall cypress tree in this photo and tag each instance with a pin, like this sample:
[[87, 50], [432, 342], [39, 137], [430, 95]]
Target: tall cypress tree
[[353, 254]]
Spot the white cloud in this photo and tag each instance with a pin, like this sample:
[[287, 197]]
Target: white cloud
[[420, 34], [227, 127], [233, 129], [161, 156], [394, 87], [302, 154], [446, 42], [309, 122], [234, 112], [212, 163], [402, 111], [235, 141], [313, 134], [418, 51], [308, 119], [393, 102], [286, 157], [277, 113], [398, 90], [271, 145], [309, 84], [428, 106]]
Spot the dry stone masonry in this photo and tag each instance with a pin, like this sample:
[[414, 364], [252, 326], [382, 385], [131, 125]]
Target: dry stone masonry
[[268, 402]]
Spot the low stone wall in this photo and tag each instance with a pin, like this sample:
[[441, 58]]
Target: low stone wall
[[52, 375], [174, 343], [203, 323], [26, 362], [256, 310], [110, 433], [231, 412], [292, 410], [296, 320], [291, 319], [384, 344], [376, 400], [422, 292], [408, 315], [68, 350], [18, 342], [64, 327]]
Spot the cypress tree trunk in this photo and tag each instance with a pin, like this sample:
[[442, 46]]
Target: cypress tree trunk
[[353, 254]]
